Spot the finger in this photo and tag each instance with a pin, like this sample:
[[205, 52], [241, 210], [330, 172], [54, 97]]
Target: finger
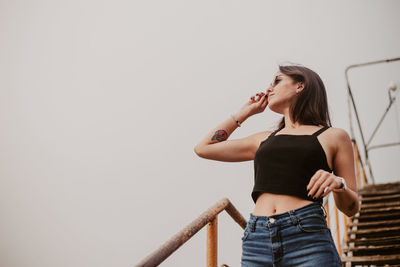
[[328, 182], [315, 187], [262, 98], [322, 187], [327, 191], [264, 102], [319, 187], [315, 177], [259, 97], [317, 184]]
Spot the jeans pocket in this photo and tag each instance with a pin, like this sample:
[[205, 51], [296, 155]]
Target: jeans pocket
[[313, 223]]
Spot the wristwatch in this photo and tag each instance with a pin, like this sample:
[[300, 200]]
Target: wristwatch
[[343, 187]]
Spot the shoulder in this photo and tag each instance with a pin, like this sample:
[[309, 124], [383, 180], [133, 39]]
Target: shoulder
[[341, 139], [260, 136], [339, 134]]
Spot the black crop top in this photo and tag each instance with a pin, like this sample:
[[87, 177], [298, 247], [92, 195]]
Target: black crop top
[[284, 164]]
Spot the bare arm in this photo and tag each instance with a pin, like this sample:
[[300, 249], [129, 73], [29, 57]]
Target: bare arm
[[343, 166], [221, 132], [215, 145], [346, 201]]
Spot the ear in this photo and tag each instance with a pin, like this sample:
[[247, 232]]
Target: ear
[[300, 87]]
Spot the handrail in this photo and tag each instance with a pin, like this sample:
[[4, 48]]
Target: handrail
[[208, 217], [350, 97]]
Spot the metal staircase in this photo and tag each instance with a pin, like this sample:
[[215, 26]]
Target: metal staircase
[[374, 232]]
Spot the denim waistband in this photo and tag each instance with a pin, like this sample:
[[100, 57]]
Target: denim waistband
[[314, 207]]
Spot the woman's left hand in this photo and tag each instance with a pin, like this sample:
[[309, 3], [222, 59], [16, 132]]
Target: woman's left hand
[[320, 181]]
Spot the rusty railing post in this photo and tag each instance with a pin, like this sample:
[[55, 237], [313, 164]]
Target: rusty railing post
[[337, 231], [357, 161], [327, 214], [212, 242]]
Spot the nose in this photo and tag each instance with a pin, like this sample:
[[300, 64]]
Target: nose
[[269, 90]]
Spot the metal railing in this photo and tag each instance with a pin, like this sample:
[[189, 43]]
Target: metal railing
[[365, 144], [209, 218]]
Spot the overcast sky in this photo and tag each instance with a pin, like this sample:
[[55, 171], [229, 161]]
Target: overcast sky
[[102, 103]]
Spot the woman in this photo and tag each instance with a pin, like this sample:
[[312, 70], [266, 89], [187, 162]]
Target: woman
[[295, 166]]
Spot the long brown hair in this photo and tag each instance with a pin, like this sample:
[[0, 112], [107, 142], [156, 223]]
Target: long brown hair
[[311, 106]]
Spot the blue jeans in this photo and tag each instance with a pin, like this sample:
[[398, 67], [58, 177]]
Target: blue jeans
[[299, 237]]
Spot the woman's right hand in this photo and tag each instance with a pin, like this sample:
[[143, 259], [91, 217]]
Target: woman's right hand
[[242, 149], [256, 104]]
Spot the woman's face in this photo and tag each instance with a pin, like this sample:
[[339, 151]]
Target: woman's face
[[282, 92]]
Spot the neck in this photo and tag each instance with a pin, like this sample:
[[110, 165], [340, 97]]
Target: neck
[[289, 124]]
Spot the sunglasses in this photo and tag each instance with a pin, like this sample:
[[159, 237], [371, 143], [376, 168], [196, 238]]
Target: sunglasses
[[276, 81]]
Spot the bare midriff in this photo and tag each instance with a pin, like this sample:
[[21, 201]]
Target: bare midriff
[[270, 204]]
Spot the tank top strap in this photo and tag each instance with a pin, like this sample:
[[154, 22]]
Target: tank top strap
[[320, 130], [277, 130], [274, 132]]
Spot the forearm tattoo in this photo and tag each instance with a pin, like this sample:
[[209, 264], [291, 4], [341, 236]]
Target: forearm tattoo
[[352, 205], [220, 135]]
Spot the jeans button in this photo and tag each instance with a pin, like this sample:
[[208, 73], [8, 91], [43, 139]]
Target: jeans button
[[271, 220]]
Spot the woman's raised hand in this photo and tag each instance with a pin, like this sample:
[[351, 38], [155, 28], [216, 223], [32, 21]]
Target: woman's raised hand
[[256, 104]]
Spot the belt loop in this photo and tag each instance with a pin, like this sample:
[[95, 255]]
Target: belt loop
[[253, 226], [293, 217]]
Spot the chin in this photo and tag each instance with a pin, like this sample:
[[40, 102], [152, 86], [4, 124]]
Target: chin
[[274, 108]]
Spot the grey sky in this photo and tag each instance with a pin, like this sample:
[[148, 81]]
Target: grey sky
[[102, 103]]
